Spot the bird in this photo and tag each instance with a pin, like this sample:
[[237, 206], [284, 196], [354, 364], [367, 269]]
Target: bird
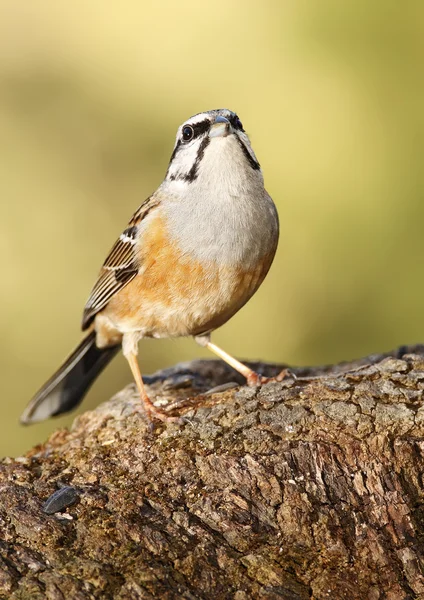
[[192, 255]]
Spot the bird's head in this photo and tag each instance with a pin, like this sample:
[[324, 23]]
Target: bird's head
[[212, 147]]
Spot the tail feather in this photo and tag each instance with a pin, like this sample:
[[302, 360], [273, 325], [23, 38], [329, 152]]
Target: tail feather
[[68, 386]]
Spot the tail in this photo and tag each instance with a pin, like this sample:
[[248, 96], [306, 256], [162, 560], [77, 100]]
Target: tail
[[68, 386]]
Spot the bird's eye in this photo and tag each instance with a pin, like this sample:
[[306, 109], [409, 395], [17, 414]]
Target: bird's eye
[[188, 133]]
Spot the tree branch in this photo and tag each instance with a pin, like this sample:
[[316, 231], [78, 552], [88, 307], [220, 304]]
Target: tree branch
[[308, 488]]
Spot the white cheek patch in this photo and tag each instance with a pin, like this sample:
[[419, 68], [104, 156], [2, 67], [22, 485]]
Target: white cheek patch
[[184, 159]]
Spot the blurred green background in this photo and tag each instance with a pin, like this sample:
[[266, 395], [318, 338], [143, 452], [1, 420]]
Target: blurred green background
[[91, 95]]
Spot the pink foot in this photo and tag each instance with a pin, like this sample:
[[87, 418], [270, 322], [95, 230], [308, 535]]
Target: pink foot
[[152, 412], [255, 379]]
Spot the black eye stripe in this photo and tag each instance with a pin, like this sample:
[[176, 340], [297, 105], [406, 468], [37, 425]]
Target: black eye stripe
[[235, 122], [201, 128]]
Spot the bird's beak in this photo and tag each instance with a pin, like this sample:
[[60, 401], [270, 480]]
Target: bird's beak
[[221, 127]]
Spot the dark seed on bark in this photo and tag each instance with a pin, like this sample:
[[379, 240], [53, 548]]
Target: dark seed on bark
[[60, 499]]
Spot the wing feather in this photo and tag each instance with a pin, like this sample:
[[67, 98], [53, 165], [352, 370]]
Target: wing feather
[[120, 267]]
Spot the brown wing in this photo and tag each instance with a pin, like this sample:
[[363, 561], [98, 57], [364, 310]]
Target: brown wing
[[120, 266]]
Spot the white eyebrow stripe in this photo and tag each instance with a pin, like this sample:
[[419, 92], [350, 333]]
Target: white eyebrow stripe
[[198, 119]]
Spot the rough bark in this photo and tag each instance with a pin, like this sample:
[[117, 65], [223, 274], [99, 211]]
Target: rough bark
[[308, 488]]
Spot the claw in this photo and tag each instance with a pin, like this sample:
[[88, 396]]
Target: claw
[[162, 416], [152, 413], [255, 379]]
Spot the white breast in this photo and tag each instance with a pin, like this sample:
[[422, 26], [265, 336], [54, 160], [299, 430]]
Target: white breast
[[225, 215]]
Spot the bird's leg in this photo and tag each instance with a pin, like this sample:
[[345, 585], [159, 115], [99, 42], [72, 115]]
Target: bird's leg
[[150, 409], [252, 378], [152, 412]]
